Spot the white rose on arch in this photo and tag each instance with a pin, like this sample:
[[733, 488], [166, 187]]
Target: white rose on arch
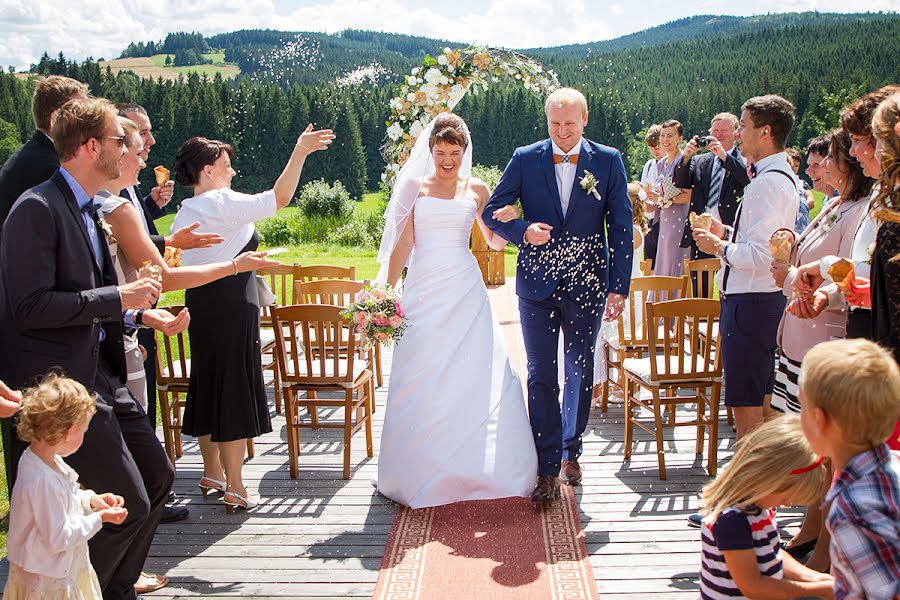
[[395, 131], [415, 130], [430, 89], [456, 93], [433, 76], [442, 59]]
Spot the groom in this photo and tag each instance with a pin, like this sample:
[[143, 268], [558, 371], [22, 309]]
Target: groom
[[573, 194]]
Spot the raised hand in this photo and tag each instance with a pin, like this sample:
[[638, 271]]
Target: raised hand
[[315, 140], [187, 238], [252, 261], [113, 515], [161, 195], [506, 214], [166, 322], [538, 234], [715, 146], [106, 500], [691, 149], [142, 293]]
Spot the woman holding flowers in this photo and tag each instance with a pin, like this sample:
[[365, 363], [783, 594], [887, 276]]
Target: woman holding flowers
[[455, 427]]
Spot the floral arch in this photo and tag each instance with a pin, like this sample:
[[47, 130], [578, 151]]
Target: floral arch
[[441, 82]]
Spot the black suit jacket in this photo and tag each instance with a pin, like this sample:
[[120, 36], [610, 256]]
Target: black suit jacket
[[53, 296], [696, 174], [158, 240], [33, 163]]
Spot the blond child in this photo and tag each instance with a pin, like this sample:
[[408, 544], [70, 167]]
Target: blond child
[[742, 558], [50, 518], [850, 401]]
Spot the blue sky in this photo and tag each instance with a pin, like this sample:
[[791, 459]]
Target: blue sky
[[102, 28]]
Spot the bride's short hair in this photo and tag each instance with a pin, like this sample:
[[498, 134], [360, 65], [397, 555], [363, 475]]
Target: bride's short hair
[[448, 128], [565, 97]]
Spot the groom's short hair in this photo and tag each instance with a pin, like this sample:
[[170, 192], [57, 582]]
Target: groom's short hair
[[564, 97]]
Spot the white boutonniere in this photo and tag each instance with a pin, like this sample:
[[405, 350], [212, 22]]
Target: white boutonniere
[[829, 221], [589, 184], [107, 230]]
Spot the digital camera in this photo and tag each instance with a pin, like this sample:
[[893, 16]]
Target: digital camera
[[701, 141]]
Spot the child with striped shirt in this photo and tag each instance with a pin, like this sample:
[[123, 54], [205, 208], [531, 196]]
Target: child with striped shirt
[[742, 557]]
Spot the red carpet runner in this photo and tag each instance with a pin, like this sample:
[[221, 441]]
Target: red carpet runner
[[505, 549]]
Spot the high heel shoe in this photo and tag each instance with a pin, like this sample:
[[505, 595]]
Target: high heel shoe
[[237, 501], [217, 486]]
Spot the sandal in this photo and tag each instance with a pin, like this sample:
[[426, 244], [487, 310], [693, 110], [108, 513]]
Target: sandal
[[154, 582]]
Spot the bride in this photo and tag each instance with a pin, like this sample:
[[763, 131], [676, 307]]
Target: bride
[[455, 427]]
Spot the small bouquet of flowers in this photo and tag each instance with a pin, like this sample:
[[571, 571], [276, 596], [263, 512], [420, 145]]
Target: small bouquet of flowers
[[377, 315]]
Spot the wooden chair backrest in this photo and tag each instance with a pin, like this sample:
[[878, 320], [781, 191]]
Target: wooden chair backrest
[[705, 269], [647, 267], [685, 357], [643, 289], [281, 281], [314, 344], [171, 355], [319, 272], [337, 292]]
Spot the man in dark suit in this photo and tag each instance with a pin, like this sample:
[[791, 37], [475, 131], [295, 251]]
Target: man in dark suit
[[35, 160], [61, 308], [717, 177]]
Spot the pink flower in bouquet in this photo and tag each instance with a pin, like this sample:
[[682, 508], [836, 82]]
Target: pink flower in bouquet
[[380, 320], [395, 321], [399, 309], [379, 294], [360, 319], [362, 296], [381, 337]]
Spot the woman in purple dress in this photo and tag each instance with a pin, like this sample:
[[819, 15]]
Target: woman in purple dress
[[673, 202]]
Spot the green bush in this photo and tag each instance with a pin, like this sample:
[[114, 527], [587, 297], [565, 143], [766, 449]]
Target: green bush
[[318, 199], [313, 230], [278, 231], [489, 175], [352, 233]]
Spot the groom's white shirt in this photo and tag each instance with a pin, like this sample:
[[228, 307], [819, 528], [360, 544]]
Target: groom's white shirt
[[565, 175]]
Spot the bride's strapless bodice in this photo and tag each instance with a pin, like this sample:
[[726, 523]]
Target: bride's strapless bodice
[[442, 224]]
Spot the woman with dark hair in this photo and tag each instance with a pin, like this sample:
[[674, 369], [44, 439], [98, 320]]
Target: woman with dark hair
[[226, 398], [673, 203]]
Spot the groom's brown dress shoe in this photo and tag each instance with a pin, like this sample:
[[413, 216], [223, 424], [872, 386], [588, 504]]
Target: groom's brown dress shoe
[[570, 472], [546, 490]]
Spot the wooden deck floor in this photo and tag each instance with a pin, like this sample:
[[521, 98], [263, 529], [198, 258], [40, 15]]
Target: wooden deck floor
[[319, 536]]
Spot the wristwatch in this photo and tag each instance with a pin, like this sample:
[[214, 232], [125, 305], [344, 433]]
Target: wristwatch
[[139, 317]]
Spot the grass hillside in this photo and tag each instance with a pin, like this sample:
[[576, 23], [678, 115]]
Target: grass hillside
[[154, 67]]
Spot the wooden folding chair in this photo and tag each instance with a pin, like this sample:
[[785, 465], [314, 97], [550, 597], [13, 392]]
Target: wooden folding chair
[[632, 336], [281, 281], [316, 349], [702, 273], [173, 373], [316, 272], [676, 359], [338, 292]]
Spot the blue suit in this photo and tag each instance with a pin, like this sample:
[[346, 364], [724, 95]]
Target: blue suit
[[563, 284]]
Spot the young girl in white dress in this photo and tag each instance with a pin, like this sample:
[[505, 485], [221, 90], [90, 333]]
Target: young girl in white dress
[[51, 518], [609, 332]]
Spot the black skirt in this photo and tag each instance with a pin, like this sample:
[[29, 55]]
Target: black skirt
[[226, 397]]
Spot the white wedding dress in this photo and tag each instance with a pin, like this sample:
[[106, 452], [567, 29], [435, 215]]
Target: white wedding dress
[[455, 427]]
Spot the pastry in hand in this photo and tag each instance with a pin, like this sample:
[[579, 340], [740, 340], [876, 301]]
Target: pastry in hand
[[151, 271], [703, 221], [172, 256], [162, 175], [842, 273], [781, 250]]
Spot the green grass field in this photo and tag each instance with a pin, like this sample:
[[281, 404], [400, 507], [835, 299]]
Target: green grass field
[[218, 65]]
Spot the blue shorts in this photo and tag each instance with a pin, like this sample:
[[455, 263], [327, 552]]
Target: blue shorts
[[749, 327]]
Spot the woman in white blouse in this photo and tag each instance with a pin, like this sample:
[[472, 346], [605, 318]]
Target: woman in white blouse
[[226, 399]]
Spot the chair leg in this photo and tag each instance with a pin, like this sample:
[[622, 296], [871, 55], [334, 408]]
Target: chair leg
[[250, 450], [629, 426], [378, 370], [276, 377], [166, 411], [713, 464], [658, 430], [313, 409], [293, 449], [701, 419], [176, 410], [370, 396], [671, 408], [348, 428]]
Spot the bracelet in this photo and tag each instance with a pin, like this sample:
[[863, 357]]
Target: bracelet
[[234, 262], [138, 317]]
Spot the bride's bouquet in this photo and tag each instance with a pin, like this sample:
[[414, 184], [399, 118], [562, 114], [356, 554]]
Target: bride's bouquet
[[377, 315]]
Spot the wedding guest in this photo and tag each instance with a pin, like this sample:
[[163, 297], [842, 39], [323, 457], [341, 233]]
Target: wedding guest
[[226, 398], [672, 202], [752, 304], [850, 394], [795, 160], [649, 175], [856, 120], [716, 179], [816, 151], [36, 160], [51, 518], [61, 306], [831, 232], [774, 466]]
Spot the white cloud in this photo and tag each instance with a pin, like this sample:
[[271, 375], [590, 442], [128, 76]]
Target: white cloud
[[616, 9], [102, 28]]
